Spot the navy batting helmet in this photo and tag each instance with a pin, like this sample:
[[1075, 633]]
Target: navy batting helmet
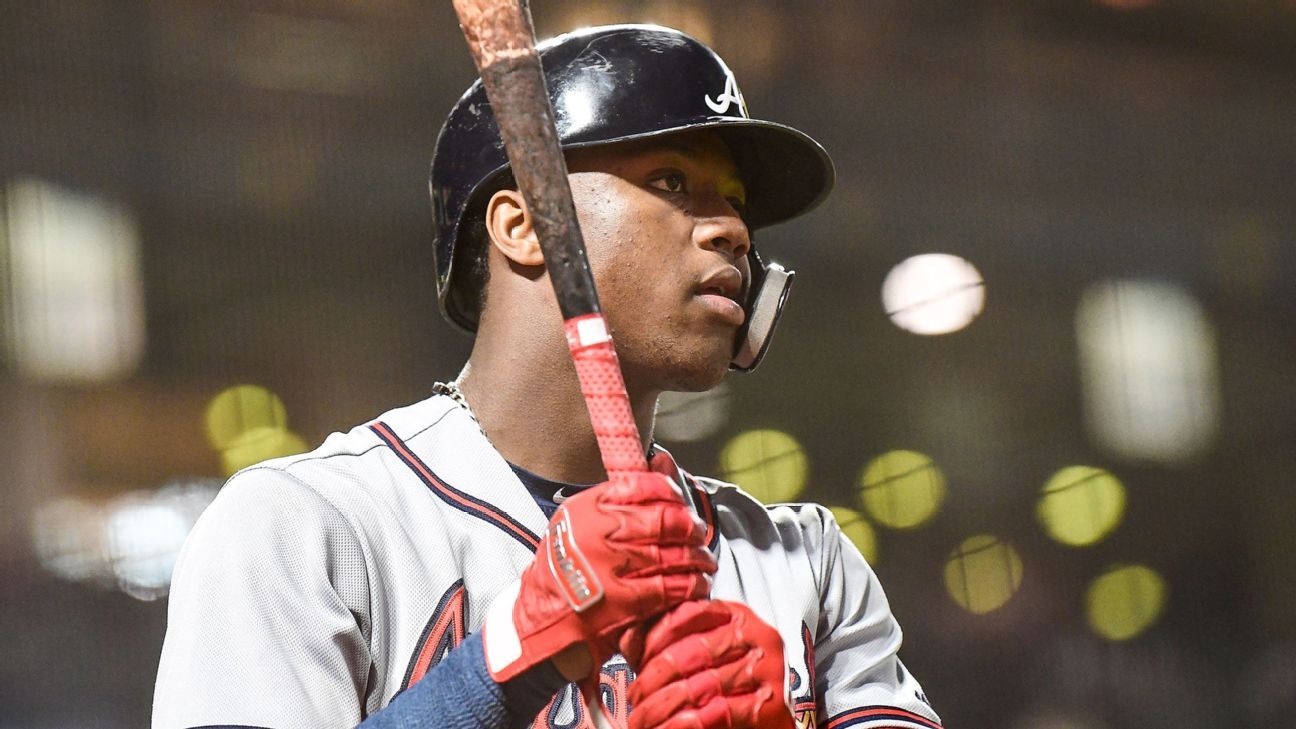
[[617, 83]]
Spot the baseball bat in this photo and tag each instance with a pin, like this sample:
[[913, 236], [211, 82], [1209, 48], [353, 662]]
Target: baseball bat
[[501, 39], [502, 42]]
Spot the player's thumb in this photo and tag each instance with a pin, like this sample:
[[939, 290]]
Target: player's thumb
[[631, 645]]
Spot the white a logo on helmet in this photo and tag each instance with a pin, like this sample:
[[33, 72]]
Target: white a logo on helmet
[[730, 95]]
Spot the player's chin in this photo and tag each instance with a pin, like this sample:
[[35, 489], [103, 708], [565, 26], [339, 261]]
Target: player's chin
[[705, 364]]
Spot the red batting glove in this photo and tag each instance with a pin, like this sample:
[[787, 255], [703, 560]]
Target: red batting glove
[[614, 555], [709, 665]]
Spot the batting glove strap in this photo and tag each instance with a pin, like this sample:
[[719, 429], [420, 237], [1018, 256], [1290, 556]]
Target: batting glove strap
[[509, 653]]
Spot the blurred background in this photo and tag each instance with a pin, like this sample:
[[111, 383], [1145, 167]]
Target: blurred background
[[1039, 356]]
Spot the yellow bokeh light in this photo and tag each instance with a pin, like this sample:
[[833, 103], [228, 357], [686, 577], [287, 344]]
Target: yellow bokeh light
[[240, 409], [983, 573], [1125, 601], [260, 444], [901, 489], [1080, 505], [859, 531], [768, 464]]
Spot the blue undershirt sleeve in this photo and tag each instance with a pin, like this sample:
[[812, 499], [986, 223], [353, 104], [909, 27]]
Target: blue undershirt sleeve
[[458, 693]]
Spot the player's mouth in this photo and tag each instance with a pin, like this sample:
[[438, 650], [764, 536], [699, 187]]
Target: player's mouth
[[719, 291]]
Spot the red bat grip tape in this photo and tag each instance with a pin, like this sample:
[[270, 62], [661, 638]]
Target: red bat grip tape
[[605, 395]]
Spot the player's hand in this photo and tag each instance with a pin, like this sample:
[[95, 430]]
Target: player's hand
[[614, 555], [709, 665]]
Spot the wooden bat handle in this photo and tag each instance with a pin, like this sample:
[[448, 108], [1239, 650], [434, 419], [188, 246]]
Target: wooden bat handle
[[502, 41]]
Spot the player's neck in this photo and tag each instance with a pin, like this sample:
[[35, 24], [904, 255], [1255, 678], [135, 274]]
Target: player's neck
[[532, 411]]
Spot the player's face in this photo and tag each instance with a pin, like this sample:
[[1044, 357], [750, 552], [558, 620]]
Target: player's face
[[668, 248]]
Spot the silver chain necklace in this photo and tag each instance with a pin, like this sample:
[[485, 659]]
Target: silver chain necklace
[[451, 390]]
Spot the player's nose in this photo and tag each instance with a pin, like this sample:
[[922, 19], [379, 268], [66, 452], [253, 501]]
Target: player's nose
[[719, 227]]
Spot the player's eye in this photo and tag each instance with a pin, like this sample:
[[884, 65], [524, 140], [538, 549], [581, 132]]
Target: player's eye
[[739, 205], [669, 182]]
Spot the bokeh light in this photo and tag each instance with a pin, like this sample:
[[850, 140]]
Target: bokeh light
[[768, 464], [248, 424], [131, 542], [1125, 601], [68, 539], [75, 307], [933, 293], [901, 489], [1149, 370], [691, 416], [143, 537], [858, 530], [1079, 505], [983, 573], [260, 444], [242, 408]]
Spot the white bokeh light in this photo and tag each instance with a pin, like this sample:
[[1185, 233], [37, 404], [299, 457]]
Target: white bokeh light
[[933, 293], [67, 536], [1149, 370], [144, 537], [71, 262], [131, 542]]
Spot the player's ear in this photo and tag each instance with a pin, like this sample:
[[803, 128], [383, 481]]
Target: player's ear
[[509, 224]]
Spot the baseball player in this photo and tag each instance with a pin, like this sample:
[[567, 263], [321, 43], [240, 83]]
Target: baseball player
[[461, 561]]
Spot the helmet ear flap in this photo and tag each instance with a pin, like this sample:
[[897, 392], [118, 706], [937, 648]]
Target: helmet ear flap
[[770, 284]]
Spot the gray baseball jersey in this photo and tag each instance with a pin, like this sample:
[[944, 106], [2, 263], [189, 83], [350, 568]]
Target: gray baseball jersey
[[317, 587]]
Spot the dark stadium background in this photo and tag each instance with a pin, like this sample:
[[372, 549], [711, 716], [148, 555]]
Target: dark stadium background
[[273, 157]]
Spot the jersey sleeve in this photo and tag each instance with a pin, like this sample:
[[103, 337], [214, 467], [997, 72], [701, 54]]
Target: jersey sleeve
[[268, 613], [860, 678]]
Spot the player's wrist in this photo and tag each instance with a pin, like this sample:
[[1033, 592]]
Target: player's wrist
[[573, 662]]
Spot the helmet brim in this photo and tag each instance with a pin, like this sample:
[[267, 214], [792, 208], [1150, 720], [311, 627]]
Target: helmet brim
[[786, 172]]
